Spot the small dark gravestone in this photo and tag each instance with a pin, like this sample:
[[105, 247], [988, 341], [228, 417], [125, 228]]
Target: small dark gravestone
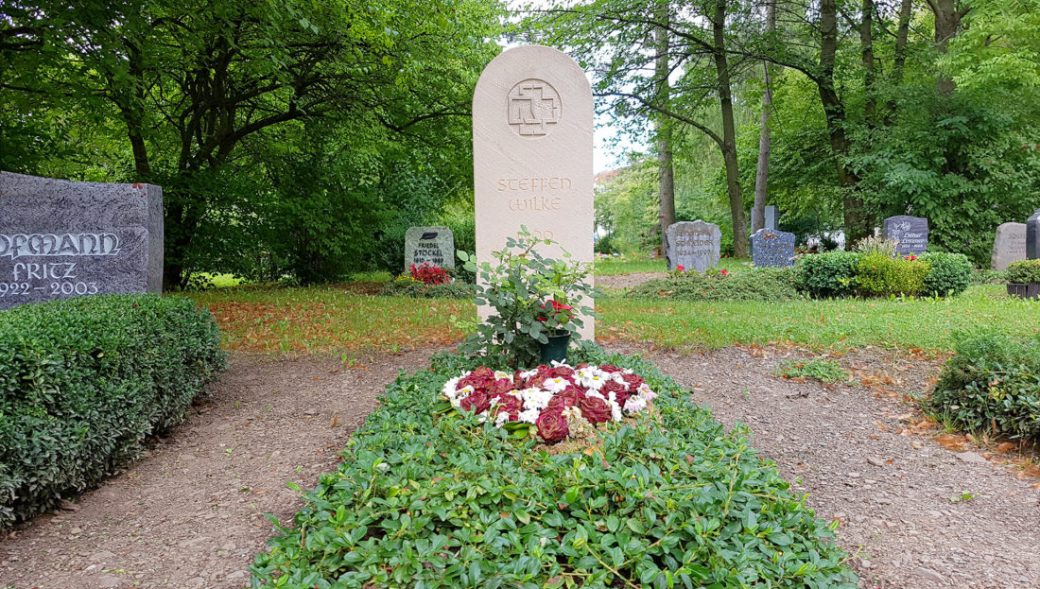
[[60, 239], [435, 245], [772, 248], [1009, 245], [910, 234], [1033, 236], [694, 245]]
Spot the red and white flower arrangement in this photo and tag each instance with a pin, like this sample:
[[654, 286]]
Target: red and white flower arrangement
[[551, 397]]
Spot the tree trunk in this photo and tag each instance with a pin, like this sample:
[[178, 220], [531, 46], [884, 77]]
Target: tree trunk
[[866, 38], [856, 221], [758, 214], [947, 23], [666, 172], [729, 132]]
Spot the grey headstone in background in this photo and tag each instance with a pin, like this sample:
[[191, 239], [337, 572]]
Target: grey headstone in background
[[771, 217], [1009, 245], [429, 244], [60, 239], [911, 234], [694, 245], [772, 248], [1033, 236]]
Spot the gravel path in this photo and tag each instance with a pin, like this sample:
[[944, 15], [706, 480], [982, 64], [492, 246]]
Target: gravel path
[[190, 514], [899, 496]]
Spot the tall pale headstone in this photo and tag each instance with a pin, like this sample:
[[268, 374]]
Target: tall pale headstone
[[1009, 245], [61, 239], [532, 154], [694, 245], [909, 233]]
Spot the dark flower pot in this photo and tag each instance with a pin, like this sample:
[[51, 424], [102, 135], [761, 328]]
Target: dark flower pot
[[1025, 291], [556, 349]]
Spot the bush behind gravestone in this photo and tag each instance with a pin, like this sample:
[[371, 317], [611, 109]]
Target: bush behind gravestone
[[830, 274], [1024, 272], [427, 496], [991, 384], [948, 274], [881, 275], [756, 284], [84, 381]]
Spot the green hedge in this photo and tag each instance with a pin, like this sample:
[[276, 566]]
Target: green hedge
[[880, 275], [428, 497], [1024, 272], [844, 274], [83, 382], [826, 275], [757, 284], [991, 384]]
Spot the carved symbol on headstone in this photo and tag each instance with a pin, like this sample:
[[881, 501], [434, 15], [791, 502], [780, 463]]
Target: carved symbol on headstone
[[533, 106], [428, 235]]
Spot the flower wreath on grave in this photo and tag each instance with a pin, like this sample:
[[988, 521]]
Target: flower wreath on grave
[[554, 402]]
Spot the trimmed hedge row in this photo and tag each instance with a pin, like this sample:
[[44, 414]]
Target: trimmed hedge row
[[991, 384], [429, 497], [84, 381], [843, 274]]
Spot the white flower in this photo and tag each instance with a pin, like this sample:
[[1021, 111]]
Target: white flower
[[449, 387], [628, 371], [499, 375], [535, 398], [635, 405], [501, 418], [556, 364], [646, 392], [529, 415], [460, 395], [597, 395], [528, 374], [615, 409], [555, 385]]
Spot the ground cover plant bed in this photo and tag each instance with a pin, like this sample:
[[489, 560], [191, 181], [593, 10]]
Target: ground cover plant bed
[[758, 284], [428, 496], [83, 382]]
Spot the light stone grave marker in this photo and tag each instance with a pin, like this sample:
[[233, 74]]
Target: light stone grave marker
[[435, 245], [1009, 245], [61, 239], [694, 245], [911, 233], [532, 155], [772, 248]]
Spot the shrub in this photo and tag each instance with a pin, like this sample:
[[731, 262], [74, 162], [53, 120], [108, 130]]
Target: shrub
[[406, 286], [992, 383], [426, 496], [826, 371], [83, 382], [880, 275], [988, 276], [758, 284], [832, 274], [1024, 272], [948, 274]]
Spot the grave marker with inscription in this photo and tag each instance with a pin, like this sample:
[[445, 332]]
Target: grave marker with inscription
[[435, 245], [1033, 236], [910, 233], [1009, 245], [532, 154], [60, 239], [772, 248], [694, 245]]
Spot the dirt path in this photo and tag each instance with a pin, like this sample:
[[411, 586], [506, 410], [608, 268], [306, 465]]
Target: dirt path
[[900, 498], [190, 514]]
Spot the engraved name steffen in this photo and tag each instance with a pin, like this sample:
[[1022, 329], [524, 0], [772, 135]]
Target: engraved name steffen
[[533, 108]]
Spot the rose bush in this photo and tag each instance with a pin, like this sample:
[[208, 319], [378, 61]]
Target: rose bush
[[549, 397]]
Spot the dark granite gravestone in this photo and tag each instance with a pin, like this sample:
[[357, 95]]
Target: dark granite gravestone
[[1009, 245], [694, 245], [772, 248], [1033, 236], [60, 239], [429, 244], [910, 234]]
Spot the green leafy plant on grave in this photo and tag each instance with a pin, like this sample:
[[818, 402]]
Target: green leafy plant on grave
[[531, 296], [754, 284], [831, 274], [881, 275], [948, 274], [1024, 272], [822, 370]]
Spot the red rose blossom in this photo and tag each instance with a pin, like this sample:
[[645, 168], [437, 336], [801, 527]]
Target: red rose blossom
[[595, 410], [568, 397], [552, 426], [510, 404], [609, 368], [563, 372], [478, 401], [633, 380], [612, 386]]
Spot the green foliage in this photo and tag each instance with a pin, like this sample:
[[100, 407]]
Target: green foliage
[[881, 275], [430, 497], [826, 275], [1024, 272], [988, 276], [826, 371], [948, 274], [626, 207], [83, 382], [757, 284], [991, 384], [409, 287], [523, 289]]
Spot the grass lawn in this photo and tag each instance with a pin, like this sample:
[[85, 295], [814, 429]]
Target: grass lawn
[[329, 319], [624, 265]]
